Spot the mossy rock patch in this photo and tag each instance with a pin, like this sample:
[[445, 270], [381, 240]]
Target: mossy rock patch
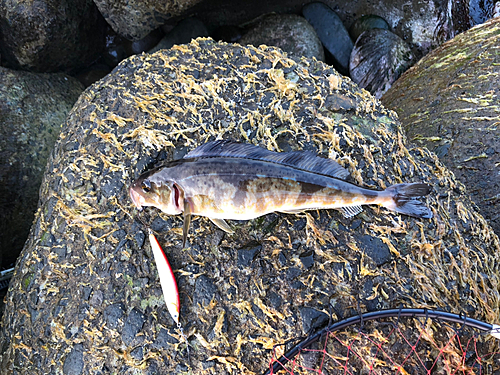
[[86, 296], [449, 102]]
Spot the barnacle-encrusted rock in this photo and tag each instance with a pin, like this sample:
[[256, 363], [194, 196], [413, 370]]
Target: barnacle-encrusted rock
[[86, 297], [449, 102]]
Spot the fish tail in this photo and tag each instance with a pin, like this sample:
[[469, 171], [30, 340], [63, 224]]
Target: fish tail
[[404, 199]]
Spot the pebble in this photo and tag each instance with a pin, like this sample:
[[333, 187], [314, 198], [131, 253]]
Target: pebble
[[247, 254], [332, 33], [375, 248], [312, 319], [378, 59], [132, 326], [73, 364]]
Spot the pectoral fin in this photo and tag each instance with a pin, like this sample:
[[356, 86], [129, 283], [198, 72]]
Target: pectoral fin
[[221, 223], [187, 222]]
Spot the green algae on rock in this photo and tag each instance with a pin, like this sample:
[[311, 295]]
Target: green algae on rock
[[449, 102], [86, 296], [33, 107]]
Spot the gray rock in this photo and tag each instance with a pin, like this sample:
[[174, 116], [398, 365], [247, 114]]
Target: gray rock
[[73, 364], [450, 105], [185, 31], [312, 319], [291, 33], [33, 107], [134, 19], [331, 32], [247, 254], [378, 59], [50, 35], [365, 23], [183, 97]]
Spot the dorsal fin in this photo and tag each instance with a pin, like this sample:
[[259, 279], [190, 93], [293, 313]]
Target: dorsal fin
[[304, 160]]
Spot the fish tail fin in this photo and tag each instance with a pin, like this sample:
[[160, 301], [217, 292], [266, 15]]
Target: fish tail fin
[[404, 199]]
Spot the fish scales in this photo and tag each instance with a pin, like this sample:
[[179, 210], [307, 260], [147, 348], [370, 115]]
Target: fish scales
[[239, 189], [227, 180]]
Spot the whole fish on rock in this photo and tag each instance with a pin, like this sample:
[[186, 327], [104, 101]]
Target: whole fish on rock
[[229, 180]]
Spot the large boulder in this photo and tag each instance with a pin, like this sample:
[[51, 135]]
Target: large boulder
[[449, 103], [33, 106], [134, 19], [50, 35], [86, 296]]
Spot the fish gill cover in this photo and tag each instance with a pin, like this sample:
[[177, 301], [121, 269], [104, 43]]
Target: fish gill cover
[[86, 297]]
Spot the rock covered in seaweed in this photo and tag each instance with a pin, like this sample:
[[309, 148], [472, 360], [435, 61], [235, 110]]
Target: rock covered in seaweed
[[86, 284], [449, 103]]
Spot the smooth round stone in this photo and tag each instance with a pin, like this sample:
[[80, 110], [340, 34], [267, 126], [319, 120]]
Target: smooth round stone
[[365, 23], [331, 32], [379, 57], [291, 33], [185, 31]]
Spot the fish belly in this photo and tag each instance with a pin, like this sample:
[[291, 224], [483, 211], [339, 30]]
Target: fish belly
[[260, 196]]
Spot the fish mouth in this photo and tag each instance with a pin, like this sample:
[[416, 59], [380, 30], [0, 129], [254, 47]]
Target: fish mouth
[[137, 199]]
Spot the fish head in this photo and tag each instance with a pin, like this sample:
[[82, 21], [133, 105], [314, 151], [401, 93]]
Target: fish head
[[165, 195]]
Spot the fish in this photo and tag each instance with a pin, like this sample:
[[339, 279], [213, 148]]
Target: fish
[[227, 180], [167, 278]]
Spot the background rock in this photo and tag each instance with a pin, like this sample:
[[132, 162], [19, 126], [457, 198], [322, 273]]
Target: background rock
[[365, 23], [291, 33], [50, 35], [85, 286], [134, 19], [449, 103], [332, 33], [186, 30], [32, 109], [424, 25], [378, 59]]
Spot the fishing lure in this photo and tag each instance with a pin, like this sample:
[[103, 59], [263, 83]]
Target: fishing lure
[[167, 279], [168, 283]]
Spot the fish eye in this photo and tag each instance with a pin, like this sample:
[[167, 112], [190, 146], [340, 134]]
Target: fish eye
[[146, 186]]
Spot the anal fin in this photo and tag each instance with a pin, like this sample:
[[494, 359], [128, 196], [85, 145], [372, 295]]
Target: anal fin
[[351, 211], [291, 211], [221, 223]]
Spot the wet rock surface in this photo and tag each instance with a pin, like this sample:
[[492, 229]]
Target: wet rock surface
[[33, 107], [289, 32], [332, 33], [378, 59], [50, 35], [99, 302], [136, 19], [449, 103]]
